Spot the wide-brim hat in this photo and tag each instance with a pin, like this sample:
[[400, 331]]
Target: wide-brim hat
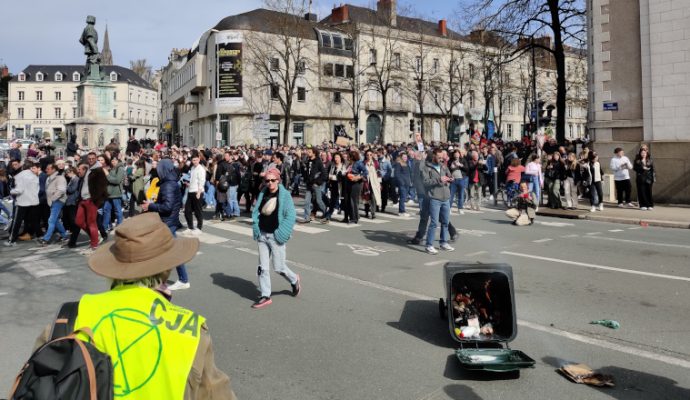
[[143, 246]]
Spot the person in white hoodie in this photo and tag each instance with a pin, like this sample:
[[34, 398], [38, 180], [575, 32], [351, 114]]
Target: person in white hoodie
[[26, 201], [56, 193], [621, 166], [195, 189]]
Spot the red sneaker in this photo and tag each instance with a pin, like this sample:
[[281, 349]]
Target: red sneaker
[[262, 302]]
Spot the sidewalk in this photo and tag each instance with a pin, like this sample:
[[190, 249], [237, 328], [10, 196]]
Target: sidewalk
[[663, 216]]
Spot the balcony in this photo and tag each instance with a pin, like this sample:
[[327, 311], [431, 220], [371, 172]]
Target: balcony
[[377, 105]]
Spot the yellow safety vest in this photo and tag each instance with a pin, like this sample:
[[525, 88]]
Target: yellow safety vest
[[151, 342]]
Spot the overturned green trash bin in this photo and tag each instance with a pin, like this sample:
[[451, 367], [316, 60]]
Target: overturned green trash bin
[[479, 305]]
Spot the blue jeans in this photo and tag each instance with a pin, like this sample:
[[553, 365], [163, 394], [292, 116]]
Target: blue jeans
[[439, 211], [54, 221], [210, 194], [403, 192], [535, 188], [313, 191], [232, 206], [458, 187], [272, 253], [181, 270], [107, 207], [296, 181], [3, 208]]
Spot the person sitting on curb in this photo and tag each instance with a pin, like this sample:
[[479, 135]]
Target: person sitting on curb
[[174, 359], [273, 220], [525, 209]]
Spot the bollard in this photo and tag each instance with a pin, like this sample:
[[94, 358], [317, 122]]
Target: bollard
[[495, 186]]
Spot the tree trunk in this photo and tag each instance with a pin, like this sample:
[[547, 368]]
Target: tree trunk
[[384, 110], [561, 87], [286, 130]]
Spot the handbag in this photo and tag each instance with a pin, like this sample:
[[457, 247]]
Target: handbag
[[366, 190]]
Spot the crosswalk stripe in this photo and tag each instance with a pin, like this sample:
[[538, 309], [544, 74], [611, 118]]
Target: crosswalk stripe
[[208, 238], [39, 267], [242, 230]]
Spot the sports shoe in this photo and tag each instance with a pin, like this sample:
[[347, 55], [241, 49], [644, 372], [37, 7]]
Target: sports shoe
[[179, 285], [196, 232], [601, 206], [621, 205], [262, 302], [491, 198], [42, 242], [461, 212], [631, 205], [297, 287], [593, 209], [643, 208], [414, 241], [453, 238], [446, 247], [9, 244], [325, 220], [650, 208], [431, 250], [403, 214]]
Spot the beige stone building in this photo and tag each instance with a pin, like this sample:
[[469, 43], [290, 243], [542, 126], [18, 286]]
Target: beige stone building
[[433, 78], [640, 85], [43, 102]]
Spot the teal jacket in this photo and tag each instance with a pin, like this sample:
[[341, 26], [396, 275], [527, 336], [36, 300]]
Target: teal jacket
[[286, 215]]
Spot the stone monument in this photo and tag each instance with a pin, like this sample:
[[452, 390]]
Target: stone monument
[[95, 125]]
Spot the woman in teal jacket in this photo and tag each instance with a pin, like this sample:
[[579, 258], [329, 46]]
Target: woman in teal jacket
[[273, 219]]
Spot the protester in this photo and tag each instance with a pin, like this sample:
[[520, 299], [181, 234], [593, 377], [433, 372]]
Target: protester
[[195, 189], [525, 208], [25, 189], [437, 180], [56, 192], [621, 166], [646, 176]]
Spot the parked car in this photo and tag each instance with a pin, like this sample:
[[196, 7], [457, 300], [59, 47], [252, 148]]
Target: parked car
[[25, 143], [4, 144]]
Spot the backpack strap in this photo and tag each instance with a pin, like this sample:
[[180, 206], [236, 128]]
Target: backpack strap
[[64, 321]]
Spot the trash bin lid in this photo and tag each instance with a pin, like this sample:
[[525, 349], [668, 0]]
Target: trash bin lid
[[496, 360]]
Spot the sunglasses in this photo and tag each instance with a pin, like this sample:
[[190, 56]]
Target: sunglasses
[[271, 180]]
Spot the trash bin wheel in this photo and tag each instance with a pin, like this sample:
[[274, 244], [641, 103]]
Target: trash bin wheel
[[442, 311]]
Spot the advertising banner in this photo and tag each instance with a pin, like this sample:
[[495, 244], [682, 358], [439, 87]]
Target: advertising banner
[[229, 69]]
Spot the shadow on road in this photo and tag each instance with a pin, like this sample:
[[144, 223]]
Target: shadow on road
[[500, 221], [463, 392], [393, 238], [242, 287], [631, 384], [420, 319]]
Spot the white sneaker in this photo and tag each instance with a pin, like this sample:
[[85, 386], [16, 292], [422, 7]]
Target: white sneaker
[[179, 285], [650, 208], [643, 208], [403, 214], [621, 205], [593, 209], [446, 247], [601, 206], [410, 201], [631, 205], [461, 212], [431, 250], [491, 198], [196, 232]]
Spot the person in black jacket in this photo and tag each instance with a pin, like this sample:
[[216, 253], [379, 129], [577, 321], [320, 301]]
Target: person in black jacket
[[555, 172], [644, 166], [314, 175], [228, 174], [133, 146], [167, 205]]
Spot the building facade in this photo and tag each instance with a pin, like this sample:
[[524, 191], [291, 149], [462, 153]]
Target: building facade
[[43, 101], [365, 73], [640, 85]]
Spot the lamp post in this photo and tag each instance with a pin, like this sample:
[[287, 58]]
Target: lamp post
[[535, 101]]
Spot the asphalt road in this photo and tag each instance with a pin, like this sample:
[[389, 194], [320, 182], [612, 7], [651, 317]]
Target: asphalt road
[[367, 325]]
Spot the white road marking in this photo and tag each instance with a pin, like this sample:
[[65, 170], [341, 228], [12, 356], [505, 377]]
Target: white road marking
[[198, 253], [569, 236], [474, 232], [542, 240], [3, 293], [242, 230], [616, 230], [393, 216], [475, 254], [431, 263], [38, 266], [246, 250], [309, 229], [542, 328], [681, 246], [602, 267], [207, 238], [635, 227], [558, 224], [593, 233]]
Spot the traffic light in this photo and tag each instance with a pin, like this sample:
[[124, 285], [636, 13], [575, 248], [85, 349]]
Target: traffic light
[[412, 125]]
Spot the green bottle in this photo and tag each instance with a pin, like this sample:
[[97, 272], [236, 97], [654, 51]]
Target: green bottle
[[609, 323]]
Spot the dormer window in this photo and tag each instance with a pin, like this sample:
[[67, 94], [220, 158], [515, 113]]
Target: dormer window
[[22, 77], [113, 76], [58, 77], [76, 77], [39, 77]]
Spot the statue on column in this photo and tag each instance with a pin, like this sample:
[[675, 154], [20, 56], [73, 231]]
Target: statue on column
[[89, 39]]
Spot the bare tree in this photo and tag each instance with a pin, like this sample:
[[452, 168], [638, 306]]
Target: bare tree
[[141, 68], [563, 20], [280, 58], [421, 69], [455, 83]]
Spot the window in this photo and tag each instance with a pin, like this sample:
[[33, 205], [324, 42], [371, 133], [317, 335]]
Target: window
[[301, 67], [114, 95], [39, 95], [39, 113], [506, 79], [328, 69], [113, 76], [509, 105], [20, 112], [337, 42], [85, 138], [301, 94], [372, 56], [340, 70], [39, 77], [58, 113], [22, 77], [58, 77], [471, 98], [570, 111], [275, 95], [337, 97], [418, 64], [326, 40], [510, 130], [471, 71], [435, 66], [349, 45], [101, 138], [74, 112], [76, 77], [115, 113], [130, 115], [570, 130], [74, 96], [20, 95], [396, 60], [350, 71], [275, 64], [58, 96]]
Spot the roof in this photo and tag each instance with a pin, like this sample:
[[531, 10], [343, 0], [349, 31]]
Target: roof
[[269, 21], [403, 23], [49, 71]]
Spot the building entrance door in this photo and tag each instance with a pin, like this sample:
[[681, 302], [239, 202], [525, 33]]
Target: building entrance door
[[373, 128]]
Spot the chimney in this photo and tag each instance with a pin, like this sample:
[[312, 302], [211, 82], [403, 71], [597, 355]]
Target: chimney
[[310, 17], [443, 28], [387, 9], [340, 15], [5, 71]]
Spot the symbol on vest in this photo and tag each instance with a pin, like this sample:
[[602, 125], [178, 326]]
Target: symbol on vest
[[133, 334], [191, 326]]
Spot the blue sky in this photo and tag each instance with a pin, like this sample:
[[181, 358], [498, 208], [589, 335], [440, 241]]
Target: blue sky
[[47, 31]]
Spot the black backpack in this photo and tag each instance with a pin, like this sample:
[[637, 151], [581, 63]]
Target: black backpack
[[66, 367]]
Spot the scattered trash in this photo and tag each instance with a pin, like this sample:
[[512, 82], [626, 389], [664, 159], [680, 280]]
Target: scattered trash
[[609, 323], [581, 373], [644, 224]]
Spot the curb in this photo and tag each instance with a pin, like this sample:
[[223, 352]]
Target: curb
[[617, 220]]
